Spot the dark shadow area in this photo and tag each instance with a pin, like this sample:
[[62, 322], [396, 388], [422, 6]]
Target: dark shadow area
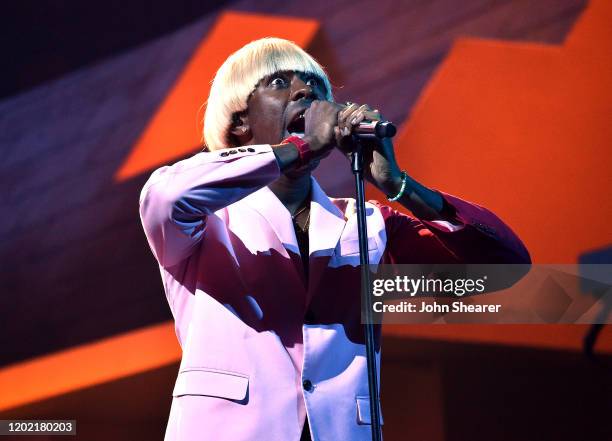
[[46, 39], [492, 392]]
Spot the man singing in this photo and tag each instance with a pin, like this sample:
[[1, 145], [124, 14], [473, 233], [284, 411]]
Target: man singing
[[261, 268]]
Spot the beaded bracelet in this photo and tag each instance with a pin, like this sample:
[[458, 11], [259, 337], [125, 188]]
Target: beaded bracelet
[[402, 188]]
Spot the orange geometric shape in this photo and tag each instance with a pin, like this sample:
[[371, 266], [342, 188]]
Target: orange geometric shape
[[525, 130], [175, 129], [89, 364]]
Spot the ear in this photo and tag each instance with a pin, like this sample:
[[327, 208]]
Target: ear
[[240, 128]]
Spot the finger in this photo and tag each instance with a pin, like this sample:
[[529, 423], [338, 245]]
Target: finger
[[371, 114], [349, 108], [341, 133], [344, 119], [349, 116], [338, 134], [346, 111], [358, 115], [350, 104]]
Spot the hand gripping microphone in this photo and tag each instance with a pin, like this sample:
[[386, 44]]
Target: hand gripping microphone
[[374, 129]]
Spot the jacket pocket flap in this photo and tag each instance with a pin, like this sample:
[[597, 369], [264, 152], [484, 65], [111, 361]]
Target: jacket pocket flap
[[363, 411], [351, 246], [213, 383]]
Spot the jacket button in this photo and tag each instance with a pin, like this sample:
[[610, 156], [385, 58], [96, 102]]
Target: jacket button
[[223, 154], [233, 152], [242, 150], [307, 385], [250, 149]]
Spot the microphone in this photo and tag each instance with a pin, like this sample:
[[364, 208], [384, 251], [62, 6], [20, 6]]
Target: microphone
[[376, 129]]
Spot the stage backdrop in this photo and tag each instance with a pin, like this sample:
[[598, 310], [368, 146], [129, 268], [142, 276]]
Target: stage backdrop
[[504, 103]]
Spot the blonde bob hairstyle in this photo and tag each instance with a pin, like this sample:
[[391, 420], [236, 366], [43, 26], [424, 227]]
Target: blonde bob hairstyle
[[238, 77]]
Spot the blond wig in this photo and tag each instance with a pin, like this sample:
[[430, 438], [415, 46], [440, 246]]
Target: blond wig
[[239, 75]]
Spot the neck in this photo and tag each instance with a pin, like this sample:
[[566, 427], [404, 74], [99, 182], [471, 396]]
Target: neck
[[292, 191]]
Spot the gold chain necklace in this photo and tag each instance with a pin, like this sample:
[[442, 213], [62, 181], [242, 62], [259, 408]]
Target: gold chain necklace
[[306, 224]]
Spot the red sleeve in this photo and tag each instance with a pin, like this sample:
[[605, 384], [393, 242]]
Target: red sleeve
[[471, 234]]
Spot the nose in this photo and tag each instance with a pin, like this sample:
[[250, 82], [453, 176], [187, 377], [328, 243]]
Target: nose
[[300, 89]]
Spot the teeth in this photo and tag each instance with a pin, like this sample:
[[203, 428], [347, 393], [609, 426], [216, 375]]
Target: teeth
[[298, 134]]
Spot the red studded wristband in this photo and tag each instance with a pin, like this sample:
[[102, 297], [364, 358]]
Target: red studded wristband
[[303, 148]]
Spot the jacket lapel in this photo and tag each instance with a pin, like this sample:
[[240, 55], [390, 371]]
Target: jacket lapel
[[325, 228], [326, 225], [265, 202]]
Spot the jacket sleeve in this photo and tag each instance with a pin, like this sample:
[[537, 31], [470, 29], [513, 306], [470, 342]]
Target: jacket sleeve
[[176, 200], [468, 233]]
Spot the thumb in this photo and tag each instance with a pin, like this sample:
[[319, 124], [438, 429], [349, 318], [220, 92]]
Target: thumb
[[344, 139]]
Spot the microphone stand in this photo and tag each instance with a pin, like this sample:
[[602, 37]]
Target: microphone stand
[[366, 291]]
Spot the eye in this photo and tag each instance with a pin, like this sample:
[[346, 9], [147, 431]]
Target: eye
[[312, 82], [278, 82]]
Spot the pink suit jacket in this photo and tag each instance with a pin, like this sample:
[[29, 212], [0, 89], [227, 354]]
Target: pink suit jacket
[[264, 348]]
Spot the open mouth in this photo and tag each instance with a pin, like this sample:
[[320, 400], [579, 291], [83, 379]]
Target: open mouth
[[297, 124]]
